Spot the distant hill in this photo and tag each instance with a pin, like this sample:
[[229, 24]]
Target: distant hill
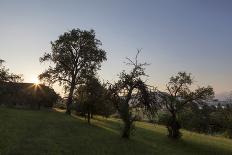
[[222, 96]]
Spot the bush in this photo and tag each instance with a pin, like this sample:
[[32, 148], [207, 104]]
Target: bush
[[163, 118], [60, 105], [228, 132]]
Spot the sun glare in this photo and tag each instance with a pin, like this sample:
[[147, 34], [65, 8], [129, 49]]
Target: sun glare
[[35, 80]]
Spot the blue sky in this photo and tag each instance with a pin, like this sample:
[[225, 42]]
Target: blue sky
[[175, 35]]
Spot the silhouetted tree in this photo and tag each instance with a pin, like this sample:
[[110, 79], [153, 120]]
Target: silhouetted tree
[[103, 105], [89, 95], [178, 96], [74, 55], [6, 76], [129, 93]]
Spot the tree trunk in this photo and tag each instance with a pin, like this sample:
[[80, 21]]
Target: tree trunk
[[39, 105], [126, 117], [70, 99], [174, 127], [89, 117], [127, 128]]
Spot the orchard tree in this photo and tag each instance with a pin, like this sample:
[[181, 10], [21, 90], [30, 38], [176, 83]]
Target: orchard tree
[[178, 96], [130, 93], [92, 98], [6, 76], [74, 55], [89, 95]]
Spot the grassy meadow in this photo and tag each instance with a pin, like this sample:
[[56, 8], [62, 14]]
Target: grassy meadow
[[51, 132]]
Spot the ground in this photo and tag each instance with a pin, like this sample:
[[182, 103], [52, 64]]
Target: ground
[[50, 132]]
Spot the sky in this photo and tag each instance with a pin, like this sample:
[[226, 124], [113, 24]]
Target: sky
[[174, 35]]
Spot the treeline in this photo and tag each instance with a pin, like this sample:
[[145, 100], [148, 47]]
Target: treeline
[[26, 95], [15, 93]]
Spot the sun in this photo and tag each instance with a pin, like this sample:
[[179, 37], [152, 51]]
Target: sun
[[35, 80]]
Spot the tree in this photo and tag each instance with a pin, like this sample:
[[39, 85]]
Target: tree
[[104, 106], [89, 95], [92, 98], [6, 76], [179, 95], [130, 93], [74, 55], [197, 118]]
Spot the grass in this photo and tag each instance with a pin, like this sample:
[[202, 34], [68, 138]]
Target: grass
[[46, 132]]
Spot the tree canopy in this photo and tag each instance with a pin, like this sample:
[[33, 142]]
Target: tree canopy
[[179, 95], [74, 55], [6, 76], [131, 92]]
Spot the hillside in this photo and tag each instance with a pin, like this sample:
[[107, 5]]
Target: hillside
[[46, 132]]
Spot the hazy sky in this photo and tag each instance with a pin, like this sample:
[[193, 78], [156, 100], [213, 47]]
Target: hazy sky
[[175, 35]]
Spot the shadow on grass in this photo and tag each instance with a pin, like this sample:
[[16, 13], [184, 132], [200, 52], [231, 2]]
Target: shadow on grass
[[156, 141], [46, 132], [106, 137], [183, 146]]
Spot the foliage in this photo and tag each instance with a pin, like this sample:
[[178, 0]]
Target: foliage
[[74, 55], [130, 93], [60, 103], [207, 119], [6, 76], [178, 96], [228, 120], [91, 99], [26, 95]]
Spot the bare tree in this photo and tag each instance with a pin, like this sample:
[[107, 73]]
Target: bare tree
[[130, 93]]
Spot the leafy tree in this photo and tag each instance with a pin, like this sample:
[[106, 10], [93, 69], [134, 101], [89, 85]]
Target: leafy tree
[[178, 96], [130, 93], [205, 118], [89, 96], [74, 55], [197, 118], [6, 76], [103, 105]]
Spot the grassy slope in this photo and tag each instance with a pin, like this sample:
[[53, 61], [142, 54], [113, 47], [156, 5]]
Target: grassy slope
[[42, 132]]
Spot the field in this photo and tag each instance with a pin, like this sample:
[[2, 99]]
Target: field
[[51, 132]]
